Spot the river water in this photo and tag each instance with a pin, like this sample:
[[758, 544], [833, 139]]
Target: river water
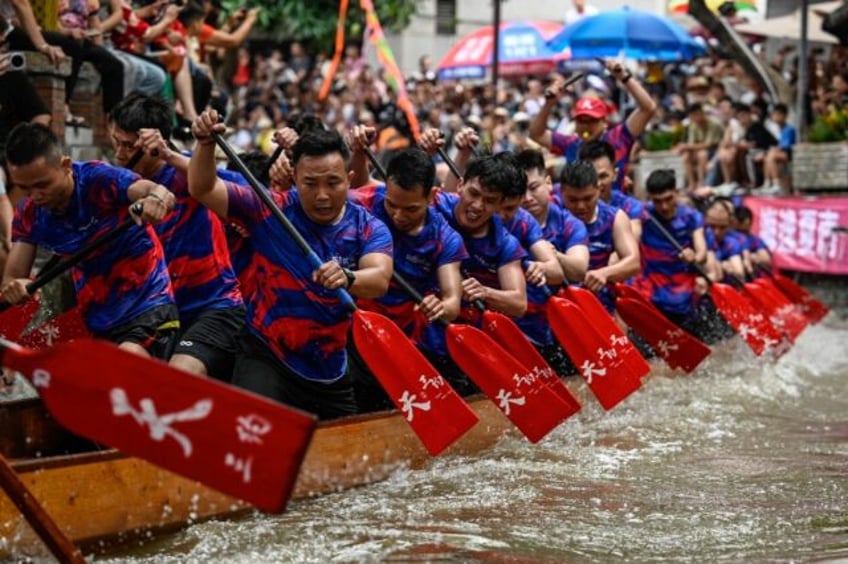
[[746, 460]]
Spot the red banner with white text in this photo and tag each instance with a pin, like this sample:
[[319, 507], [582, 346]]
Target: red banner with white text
[[808, 234]]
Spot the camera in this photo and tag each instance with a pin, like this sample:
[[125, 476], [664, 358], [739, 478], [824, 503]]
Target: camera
[[17, 61]]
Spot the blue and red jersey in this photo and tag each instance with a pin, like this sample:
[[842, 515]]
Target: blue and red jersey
[[524, 227], [122, 280], [304, 324], [417, 258], [602, 245], [755, 243], [485, 254], [564, 230], [635, 209], [733, 244], [668, 280], [619, 137], [196, 252]]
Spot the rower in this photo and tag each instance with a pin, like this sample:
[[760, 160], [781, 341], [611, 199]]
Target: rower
[[758, 249], [602, 156], [590, 122], [667, 275], [294, 348], [427, 254], [728, 245], [124, 291], [205, 287], [493, 272], [608, 229]]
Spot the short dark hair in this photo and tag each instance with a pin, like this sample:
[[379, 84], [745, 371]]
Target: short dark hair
[[531, 159], [694, 107], [781, 108], [660, 181], [140, 111], [318, 143], [744, 213], [496, 174], [191, 12], [578, 174], [741, 107], [410, 168], [30, 141], [597, 149], [518, 178], [257, 162]]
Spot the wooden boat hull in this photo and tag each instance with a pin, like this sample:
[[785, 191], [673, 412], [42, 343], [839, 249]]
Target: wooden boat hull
[[101, 499]]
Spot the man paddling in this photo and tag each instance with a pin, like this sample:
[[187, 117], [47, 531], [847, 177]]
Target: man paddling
[[427, 254], [493, 271], [728, 245], [205, 287], [297, 326], [608, 229], [123, 290]]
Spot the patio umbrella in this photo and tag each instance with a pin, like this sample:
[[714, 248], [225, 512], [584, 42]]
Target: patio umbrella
[[523, 51], [633, 34]]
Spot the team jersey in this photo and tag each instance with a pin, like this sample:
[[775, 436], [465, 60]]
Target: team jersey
[[755, 243], [123, 279], [486, 254], [564, 230], [635, 209], [196, 252], [733, 244], [238, 244], [524, 227], [665, 278], [601, 246], [304, 324], [417, 259], [619, 137]]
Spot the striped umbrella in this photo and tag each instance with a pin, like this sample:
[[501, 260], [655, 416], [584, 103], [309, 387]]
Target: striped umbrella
[[682, 6]]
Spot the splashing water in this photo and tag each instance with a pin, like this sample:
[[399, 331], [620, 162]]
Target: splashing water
[[744, 460]]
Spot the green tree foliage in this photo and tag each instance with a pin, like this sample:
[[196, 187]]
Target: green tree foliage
[[314, 21]]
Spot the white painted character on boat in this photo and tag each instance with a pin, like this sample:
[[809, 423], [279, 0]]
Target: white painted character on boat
[[506, 401], [241, 465], [435, 382], [589, 371], [251, 428], [160, 425], [607, 354], [527, 379]]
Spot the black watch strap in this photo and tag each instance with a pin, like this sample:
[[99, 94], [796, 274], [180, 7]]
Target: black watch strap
[[351, 277]]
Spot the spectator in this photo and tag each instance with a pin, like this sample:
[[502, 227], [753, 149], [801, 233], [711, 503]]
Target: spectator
[[578, 11], [703, 135], [779, 156]]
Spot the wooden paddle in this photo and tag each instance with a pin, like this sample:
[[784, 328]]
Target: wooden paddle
[[234, 441], [815, 310], [675, 346], [61, 266], [600, 319], [436, 413], [529, 395], [45, 527], [742, 316]]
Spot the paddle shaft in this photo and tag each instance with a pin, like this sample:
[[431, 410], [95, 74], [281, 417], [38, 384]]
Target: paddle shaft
[[41, 522], [678, 246], [56, 269], [375, 162], [278, 214]]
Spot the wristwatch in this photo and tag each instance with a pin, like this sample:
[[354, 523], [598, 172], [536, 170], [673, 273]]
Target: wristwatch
[[351, 277]]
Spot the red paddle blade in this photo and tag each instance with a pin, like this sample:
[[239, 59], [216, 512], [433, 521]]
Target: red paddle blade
[[750, 323], [625, 291], [520, 394], [15, 319], [236, 442], [506, 333], [436, 413], [675, 346], [601, 367], [784, 312], [601, 320], [64, 327], [815, 310]]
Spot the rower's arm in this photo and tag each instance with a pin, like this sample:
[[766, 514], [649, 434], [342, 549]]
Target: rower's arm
[[511, 299], [203, 182], [450, 288], [699, 244], [626, 248], [17, 271], [544, 253], [372, 276], [574, 262], [733, 267], [636, 229]]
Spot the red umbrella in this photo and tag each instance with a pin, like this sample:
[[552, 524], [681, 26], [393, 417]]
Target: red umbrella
[[523, 51]]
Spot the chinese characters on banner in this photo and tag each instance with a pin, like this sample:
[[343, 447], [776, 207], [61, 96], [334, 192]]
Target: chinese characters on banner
[[804, 234]]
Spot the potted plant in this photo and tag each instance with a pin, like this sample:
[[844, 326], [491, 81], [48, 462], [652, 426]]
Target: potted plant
[[822, 162]]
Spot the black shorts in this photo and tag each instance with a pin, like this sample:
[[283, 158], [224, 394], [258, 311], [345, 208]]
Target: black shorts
[[259, 370], [212, 338], [557, 359], [156, 330]]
